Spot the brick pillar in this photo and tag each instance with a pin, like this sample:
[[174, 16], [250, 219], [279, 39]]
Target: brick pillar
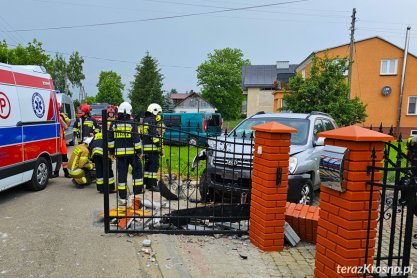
[[268, 199], [343, 222]]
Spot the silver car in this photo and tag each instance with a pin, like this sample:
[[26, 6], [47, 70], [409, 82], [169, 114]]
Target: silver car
[[229, 158]]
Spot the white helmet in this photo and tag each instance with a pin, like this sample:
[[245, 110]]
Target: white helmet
[[88, 140], [154, 108], [125, 107]]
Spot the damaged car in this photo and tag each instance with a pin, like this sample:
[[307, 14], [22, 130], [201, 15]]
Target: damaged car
[[229, 158]]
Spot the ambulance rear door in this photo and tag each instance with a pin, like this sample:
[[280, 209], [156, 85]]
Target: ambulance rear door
[[11, 149]]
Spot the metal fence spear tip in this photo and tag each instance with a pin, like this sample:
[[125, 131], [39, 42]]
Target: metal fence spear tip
[[165, 192]]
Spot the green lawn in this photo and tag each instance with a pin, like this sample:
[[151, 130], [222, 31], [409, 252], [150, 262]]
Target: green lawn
[[181, 158], [229, 125], [393, 158]]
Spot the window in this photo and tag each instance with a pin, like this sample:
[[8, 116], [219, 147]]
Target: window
[[389, 66], [328, 125], [318, 127], [412, 105], [345, 63], [67, 111], [172, 121], [303, 73], [413, 133]]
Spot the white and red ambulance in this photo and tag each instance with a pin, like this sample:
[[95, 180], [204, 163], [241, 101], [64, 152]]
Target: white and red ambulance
[[29, 127]]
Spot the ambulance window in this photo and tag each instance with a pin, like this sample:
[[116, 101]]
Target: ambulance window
[[68, 110]]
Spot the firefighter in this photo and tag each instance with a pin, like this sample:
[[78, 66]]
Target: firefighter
[[152, 145], [80, 167], [111, 113], [86, 125], [64, 124], [96, 147], [124, 143]]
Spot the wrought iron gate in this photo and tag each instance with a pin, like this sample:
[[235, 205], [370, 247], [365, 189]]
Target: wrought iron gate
[[203, 179], [397, 211]]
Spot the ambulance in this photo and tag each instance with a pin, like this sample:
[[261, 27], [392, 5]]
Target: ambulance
[[29, 127]]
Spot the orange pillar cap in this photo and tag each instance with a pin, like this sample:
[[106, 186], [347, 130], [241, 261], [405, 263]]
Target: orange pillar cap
[[355, 133]]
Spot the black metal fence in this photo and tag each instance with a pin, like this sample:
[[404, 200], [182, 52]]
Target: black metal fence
[[203, 178], [397, 210]]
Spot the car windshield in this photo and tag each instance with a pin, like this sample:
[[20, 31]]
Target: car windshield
[[97, 111], [298, 138]]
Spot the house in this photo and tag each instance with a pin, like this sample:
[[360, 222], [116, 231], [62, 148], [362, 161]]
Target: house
[[191, 102], [259, 82], [376, 80]]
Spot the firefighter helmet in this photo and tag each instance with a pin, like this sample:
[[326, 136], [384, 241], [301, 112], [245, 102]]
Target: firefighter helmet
[[87, 140], [85, 108], [125, 107], [154, 108], [110, 110]]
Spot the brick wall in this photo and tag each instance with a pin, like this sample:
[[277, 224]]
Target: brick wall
[[303, 219]]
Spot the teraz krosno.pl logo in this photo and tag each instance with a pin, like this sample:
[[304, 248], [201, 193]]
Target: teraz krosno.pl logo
[[371, 269]]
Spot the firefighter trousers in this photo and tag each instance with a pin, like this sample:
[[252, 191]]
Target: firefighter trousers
[[82, 176], [122, 166], [98, 161], [150, 174]]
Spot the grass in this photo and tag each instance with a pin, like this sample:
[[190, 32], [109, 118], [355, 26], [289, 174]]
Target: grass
[[229, 125], [181, 158], [393, 158]]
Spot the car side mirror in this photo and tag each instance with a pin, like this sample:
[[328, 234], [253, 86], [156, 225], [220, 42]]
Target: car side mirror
[[319, 142]]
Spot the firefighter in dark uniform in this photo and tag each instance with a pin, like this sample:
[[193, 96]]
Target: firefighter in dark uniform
[[86, 125], [96, 147], [152, 145], [124, 143]]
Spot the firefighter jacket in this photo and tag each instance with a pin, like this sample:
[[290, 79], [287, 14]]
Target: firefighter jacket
[[87, 125], [96, 146], [80, 158], [151, 134], [64, 121], [124, 139]]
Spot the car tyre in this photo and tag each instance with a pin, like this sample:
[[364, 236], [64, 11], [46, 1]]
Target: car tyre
[[206, 193], [306, 194], [41, 174]]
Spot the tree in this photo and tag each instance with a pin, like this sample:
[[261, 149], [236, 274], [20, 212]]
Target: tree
[[325, 90], [90, 100], [58, 68], [168, 105], [147, 85], [221, 77], [173, 91], [110, 88]]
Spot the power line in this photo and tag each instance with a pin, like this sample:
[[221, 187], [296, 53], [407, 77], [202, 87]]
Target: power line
[[156, 18], [110, 59]]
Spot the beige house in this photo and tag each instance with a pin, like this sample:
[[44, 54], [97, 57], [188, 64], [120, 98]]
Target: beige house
[[260, 82]]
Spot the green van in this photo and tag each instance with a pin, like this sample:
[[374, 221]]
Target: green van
[[191, 128]]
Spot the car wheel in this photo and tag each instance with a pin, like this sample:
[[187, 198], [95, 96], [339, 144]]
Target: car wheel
[[306, 194], [206, 193], [192, 141], [72, 143], [41, 175]]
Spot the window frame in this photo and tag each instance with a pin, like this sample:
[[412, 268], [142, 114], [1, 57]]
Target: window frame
[[388, 66], [415, 106]]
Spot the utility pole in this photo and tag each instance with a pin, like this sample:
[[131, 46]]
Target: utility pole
[[400, 103], [66, 85], [352, 42]]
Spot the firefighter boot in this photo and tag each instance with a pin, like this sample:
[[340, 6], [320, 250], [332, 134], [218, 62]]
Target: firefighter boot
[[66, 174]]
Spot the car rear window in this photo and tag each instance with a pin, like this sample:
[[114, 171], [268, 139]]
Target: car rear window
[[213, 120]]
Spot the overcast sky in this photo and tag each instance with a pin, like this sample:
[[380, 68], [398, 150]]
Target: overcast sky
[[288, 31]]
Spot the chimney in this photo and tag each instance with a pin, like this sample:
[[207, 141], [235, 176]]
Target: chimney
[[283, 64]]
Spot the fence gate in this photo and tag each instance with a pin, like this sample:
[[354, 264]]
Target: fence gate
[[203, 177], [395, 235]]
